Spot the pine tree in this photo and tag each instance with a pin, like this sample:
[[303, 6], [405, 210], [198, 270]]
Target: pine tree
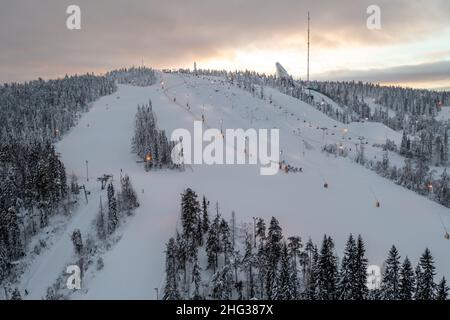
[[222, 283], [225, 240], [404, 146], [443, 189], [425, 283], [190, 210], [77, 241], [284, 288], [128, 197], [113, 215], [442, 290], [327, 271], [407, 281], [273, 252], [4, 263], [171, 287], [360, 288], [248, 264], [390, 287], [16, 294], [100, 223], [347, 273], [205, 215], [213, 243], [313, 273], [196, 278]]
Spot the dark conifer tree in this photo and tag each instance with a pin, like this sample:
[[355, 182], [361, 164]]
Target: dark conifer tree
[[273, 255], [113, 215], [407, 280], [390, 287], [425, 283], [360, 289], [171, 288], [347, 275], [328, 271], [442, 290]]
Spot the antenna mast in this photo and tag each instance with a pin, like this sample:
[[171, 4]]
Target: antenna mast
[[307, 77]]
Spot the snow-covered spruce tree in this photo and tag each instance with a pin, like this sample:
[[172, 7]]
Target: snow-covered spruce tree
[[390, 283], [426, 288], [190, 212], [182, 256], [285, 288], [407, 280], [222, 283], [150, 143], [77, 241], [294, 248], [443, 189], [213, 246], [4, 263], [273, 255], [171, 288], [128, 197], [327, 271], [196, 278], [442, 290], [361, 290], [140, 76], [205, 215], [113, 214], [248, 264], [16, 294], [101, 222], [313, 273], [225, 240], [347, 274]]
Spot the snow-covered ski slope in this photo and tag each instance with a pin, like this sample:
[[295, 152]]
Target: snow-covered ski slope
[[135, 265]]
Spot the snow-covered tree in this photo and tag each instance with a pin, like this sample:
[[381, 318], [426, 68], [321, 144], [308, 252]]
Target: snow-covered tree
[[171, 288], [390, 284], [426, 287], [407, 280], [77, 241]]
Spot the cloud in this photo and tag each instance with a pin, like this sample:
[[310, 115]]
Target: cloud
[[422, 73], [168, 33]]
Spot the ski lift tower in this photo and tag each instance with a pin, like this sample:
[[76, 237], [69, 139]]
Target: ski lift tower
[[307, 70], [307, 64]]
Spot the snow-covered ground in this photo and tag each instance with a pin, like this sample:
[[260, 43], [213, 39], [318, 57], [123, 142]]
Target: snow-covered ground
[[374, 106], [134, 267], [444, 114]]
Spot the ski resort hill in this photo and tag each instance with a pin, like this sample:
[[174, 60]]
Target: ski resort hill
[[356, 200]]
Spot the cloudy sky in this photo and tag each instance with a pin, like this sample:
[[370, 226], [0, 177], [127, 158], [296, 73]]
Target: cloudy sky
[[412, 48]]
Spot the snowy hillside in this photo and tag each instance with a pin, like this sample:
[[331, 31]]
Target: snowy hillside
[[135, 264]]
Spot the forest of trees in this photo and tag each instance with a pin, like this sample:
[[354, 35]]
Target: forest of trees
[[207, 260], [33, 181], [150, 143], [140, 76]]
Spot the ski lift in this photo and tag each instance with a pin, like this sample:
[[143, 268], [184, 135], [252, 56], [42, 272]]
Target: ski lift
[[325, 185], [377, 204]]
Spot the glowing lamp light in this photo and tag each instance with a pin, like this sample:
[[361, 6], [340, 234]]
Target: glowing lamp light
[[149, 157]]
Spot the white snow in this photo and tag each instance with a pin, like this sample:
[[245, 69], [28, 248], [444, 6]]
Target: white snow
[[444, 114], [135, 265]]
